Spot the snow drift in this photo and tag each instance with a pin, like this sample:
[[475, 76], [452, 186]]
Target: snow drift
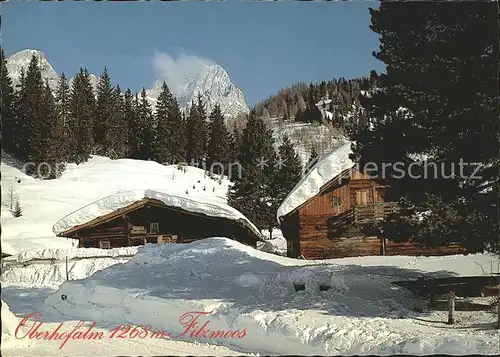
[[53, 275], [9, 323], [241, 288], [71, 253]]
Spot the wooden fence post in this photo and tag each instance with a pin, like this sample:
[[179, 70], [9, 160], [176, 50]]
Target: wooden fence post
[[432, 291], [382, 241], [451, 308]]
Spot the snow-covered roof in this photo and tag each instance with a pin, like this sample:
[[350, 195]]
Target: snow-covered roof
[[321, 173], [123, 199]]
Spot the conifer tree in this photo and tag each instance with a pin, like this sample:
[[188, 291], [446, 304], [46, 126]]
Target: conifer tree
[[41, 130], [62, 99], [146, 121], [18, 129], [313, 159], [169, 145], [82, 104], [105, 116], [234, 142], [251, 192], [136, 128], [116, 128], [51, 127], [177, 125], [31, 101], [130, 118], [18, 212], [6, 105], [287, 174], [437, 100], [196, 132], [184, 133], [219, 141]]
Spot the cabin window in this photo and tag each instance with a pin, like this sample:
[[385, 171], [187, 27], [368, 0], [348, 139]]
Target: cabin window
[[104, 244], [154, 228], [336, 201]]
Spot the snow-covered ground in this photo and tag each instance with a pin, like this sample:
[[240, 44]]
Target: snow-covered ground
[[246, 289], [273, 244], [12, 346], [361, 313]]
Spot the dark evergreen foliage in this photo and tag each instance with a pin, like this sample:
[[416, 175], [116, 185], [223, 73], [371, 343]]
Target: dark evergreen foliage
[[196, 133], [83, 108], [8, 119], [218, 149], [104, 113], [39, 131], [146, 126], [51, 153], [438, 98], [131, 108], [170, 145], [288, 173], [116, 134], [18, 131], [62, 100], [252, 192], [17, 212], [313, 159], [299, 101]]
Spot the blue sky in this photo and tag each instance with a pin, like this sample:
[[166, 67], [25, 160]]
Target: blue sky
[[263, 46]]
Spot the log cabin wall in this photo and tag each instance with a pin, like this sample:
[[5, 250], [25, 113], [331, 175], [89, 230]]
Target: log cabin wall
[[314, 218], [340, 247], [408, 248], [109, 231], [318, 238], [188, 226]]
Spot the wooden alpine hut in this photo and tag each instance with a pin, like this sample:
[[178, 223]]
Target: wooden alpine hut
[[321, 216], [132, 218]]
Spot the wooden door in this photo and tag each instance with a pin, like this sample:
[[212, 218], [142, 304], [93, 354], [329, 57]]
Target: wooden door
[[362, 197]]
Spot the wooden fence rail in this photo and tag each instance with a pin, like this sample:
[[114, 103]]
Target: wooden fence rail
[[12, 263], [372, 212]]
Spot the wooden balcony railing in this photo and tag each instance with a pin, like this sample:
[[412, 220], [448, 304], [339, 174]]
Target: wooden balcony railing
[[360, 214], [372, 212]]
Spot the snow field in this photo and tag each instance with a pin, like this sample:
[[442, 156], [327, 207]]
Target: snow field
[[361, 313]]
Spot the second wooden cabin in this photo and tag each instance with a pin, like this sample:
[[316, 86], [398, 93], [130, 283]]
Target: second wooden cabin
[[320, 217]]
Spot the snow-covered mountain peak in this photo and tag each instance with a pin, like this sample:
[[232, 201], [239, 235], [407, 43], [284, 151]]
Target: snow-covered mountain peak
[[214, 85], [209, 80], [22, 59]]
